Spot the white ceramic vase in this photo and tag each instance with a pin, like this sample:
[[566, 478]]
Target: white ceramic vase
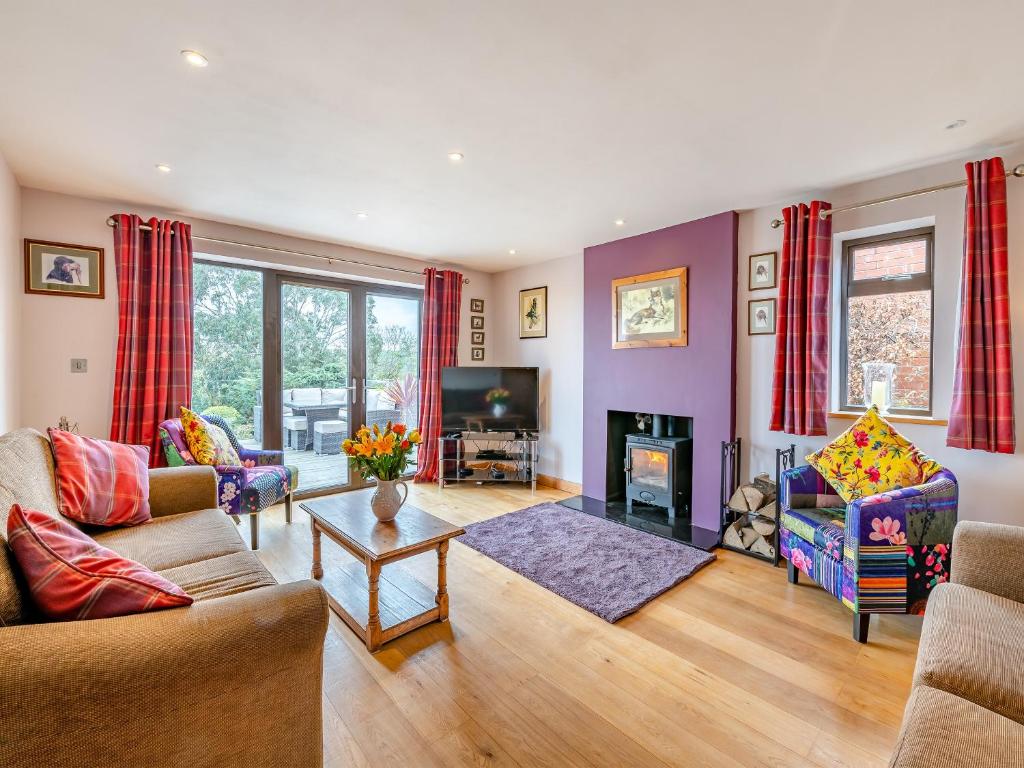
[[386, 500]]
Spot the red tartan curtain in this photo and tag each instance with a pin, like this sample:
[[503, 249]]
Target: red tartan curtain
[[981, 415], [153, 376], [800, 387], [439, 347]]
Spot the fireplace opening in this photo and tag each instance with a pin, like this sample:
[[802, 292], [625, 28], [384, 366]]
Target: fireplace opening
[[650, 462], [648, 477]]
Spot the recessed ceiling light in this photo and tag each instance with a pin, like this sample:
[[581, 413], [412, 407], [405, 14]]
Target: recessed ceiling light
[[511, 251], [956, 124], [195, 58], [456, 157], [620, 222], [361, 214], [163, 167]]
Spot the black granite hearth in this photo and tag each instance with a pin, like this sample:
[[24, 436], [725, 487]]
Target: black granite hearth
[[646, 518]]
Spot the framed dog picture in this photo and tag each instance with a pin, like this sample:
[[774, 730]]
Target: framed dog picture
[[650, 310], [760, 317], [63, 269], [762, 271], [533, 313], [476, 305]]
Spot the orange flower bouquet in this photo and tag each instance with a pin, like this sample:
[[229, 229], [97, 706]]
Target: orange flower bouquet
[[382, 453]]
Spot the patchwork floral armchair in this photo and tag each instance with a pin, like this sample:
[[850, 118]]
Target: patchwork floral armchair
[[878, 554], [262, 481]]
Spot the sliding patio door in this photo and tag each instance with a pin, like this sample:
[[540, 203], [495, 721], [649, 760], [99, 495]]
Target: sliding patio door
[[298, 363], [318, 402]]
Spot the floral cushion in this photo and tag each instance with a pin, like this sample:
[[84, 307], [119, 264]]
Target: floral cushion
[[207, 442], [871, 457]]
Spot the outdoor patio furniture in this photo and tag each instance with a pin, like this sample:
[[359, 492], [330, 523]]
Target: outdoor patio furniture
[[327, 437], [313, 413], [382, 417], [295, 429], [304, 397]]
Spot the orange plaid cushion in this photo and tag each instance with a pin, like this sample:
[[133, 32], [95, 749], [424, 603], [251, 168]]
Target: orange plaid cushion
[[100, 482], [71, 577]]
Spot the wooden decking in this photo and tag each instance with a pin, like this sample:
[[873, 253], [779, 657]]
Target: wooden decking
[[318, 471], [733, 667]]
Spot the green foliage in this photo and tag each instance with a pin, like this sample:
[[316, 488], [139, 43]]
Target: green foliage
[[226, 412]]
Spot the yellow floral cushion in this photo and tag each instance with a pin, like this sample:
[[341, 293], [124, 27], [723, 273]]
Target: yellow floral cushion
[[871, 457], [207, 442]]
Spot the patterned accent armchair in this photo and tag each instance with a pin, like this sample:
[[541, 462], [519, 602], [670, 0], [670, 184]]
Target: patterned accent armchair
[[262, 481], [879, 554]]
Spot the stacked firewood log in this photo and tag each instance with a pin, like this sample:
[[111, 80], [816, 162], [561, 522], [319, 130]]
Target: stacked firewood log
[[756, 511]]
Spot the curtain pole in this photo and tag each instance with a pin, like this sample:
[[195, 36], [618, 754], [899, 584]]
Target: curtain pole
[[1018, 171], [329, 259]]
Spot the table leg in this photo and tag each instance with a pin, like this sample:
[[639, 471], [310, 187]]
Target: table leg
[[317, 571], [373, 629], [442, 580]]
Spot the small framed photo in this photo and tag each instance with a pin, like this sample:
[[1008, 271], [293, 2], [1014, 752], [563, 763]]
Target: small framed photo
[[476, 322], [760, 317], [478, 337], [762, 271], [533, 313], [478, 353], [476, 305], [63, 269]]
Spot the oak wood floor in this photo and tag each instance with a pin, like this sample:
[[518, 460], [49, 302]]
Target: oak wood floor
[[734, 667]]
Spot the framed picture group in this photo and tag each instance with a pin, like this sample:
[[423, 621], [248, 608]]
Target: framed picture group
[[762, 274]]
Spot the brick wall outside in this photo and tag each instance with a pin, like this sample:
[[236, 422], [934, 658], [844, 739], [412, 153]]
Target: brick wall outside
[[895, 259]]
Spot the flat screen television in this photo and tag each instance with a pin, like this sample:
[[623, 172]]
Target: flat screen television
[[489, 399]]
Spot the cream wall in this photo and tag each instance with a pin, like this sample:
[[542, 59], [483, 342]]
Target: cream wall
[[989, 483], [559, 356], [55, 329], [10, 297]]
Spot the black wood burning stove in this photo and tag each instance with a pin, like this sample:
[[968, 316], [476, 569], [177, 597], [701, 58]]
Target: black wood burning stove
[[658, 472]]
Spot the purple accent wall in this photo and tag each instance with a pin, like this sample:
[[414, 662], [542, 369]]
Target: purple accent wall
[[697, 380]]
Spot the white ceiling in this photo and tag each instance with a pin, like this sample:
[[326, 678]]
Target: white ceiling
[[571, 113]]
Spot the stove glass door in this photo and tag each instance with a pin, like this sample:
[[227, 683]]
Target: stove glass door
[[649, 467]]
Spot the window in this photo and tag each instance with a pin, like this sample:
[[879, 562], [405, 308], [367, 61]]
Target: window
[[887, 318]]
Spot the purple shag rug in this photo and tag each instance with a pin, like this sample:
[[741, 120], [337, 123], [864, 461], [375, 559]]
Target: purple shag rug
[[606, 568]]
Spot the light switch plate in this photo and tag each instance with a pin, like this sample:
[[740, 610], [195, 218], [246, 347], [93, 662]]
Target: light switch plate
[[79, 365]]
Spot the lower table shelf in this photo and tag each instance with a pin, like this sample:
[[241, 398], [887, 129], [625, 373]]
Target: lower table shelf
[[405, 602]]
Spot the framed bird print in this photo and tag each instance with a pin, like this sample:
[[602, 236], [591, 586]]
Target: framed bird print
[[533, 313], [762, 271]]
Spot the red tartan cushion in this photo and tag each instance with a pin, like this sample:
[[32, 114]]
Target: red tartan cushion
[[70, 576], [99, 482]]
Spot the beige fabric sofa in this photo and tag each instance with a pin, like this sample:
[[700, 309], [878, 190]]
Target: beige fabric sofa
[[967, 703], [233, 680]]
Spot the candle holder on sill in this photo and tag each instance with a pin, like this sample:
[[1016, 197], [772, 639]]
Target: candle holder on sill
[[878, 384]]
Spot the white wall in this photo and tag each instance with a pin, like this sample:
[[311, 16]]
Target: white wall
[[11, 254], [55, 329], [989, 483], [559, 356]]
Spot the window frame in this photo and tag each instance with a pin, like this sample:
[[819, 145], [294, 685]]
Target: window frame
[[881, 286]]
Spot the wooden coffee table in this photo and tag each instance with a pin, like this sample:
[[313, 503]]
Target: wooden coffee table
[[380, 607]]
